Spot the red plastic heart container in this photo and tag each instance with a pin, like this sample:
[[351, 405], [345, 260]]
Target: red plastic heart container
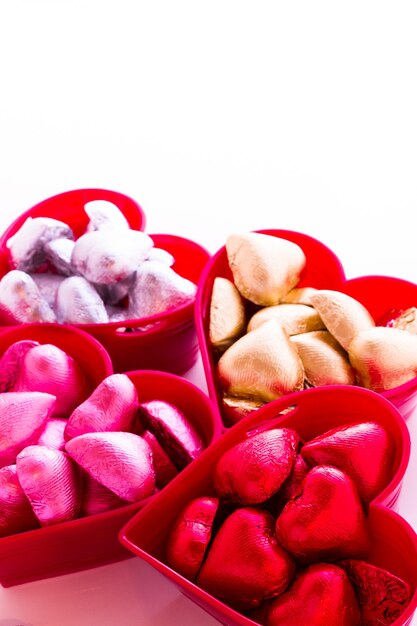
[[166, 341], [93, 541], [324, 270], [310, 413]]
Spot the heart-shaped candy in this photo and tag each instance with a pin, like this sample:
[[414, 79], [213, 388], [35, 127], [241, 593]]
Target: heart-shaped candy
[[253, 470], [326, 521], [382, 596], [191, 535], [365, 451], [245, 564], [321, 596]]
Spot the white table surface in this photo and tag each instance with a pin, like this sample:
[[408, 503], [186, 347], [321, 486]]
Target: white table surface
[[216, 117]]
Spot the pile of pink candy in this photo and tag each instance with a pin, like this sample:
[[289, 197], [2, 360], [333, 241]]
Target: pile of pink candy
[[67, 452]]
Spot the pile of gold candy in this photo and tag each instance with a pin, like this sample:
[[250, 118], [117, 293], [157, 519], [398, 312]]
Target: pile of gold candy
[[273, 338]]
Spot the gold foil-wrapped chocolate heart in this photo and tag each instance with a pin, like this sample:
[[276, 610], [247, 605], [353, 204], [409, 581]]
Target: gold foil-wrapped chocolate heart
[[407, 320], [227, 314], [384, 358], [262, 364], [295, 318], [264, 268], [342, 315], [324, 360], [299, 295]]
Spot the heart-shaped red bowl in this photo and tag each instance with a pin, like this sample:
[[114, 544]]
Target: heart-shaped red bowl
[[312, 412], [93, 541], [166, 341], [324, 270]]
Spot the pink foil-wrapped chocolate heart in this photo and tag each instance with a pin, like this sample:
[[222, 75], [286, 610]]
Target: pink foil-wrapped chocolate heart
[[10, 363], [254, 469], [191, 535], [120, 461], [16, 514], [326, 521], [365, 451], [245, 565], [321, 596], [49, 369], [52, 435], [111, 407], [382, 596], [165, 470], [97, 498], [174, 432], [23, 416], [51, 482]]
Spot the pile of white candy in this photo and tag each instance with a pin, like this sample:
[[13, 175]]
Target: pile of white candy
[[109, 274]]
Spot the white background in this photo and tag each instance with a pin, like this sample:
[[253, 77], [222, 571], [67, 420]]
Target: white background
[[216, 117]]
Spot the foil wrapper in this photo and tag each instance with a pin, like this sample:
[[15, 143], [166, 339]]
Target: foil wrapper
[[384, 358], [10, 363], [51, 483], [101, 257], [27, 245], [16, 514], [120, 461], [343, 316], [365, 451], [173, 431], [326, 521], [21, 299], [264, 268], [190, 536], [320, 596], [245, 565], [23, 416], [49, 369], [158, 288], [254, 470], [111, 407], [77, 302], [262, 364], [382, 596]]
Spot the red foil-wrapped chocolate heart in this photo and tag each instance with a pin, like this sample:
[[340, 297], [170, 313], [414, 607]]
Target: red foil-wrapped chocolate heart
[[190, 536], [365, 451], [326, 521], [254, 469], [382, 596], [245, 564], [321, 596]]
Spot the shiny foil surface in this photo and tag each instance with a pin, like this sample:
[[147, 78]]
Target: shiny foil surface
[[321, 596], [382, 596], [173, 431], [51, 482], [364, 451], [111, 406], [16, 514], [120, 461], [191, 535], [245, 564], [326, 521], [23, 416], [49, 369], [254, 470]]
